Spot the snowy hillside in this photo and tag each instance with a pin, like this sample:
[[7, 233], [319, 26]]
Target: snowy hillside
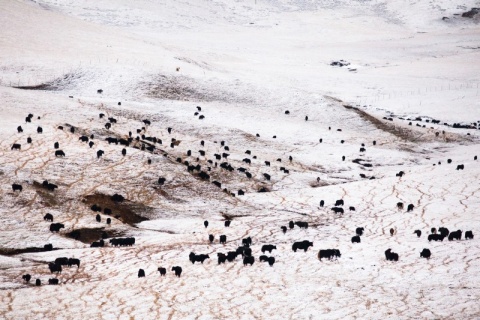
[[249, 111]]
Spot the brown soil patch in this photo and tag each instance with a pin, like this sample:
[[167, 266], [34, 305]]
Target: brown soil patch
[[128, 212], [88, 235], [11, 251]]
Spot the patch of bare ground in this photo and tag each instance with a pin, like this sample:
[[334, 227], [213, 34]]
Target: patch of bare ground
[[88, 235], [126, 211], [53, 85], [405, 133], [48, 198], [12, 251]]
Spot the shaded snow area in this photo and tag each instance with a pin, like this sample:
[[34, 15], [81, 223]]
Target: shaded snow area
[[143, 120]]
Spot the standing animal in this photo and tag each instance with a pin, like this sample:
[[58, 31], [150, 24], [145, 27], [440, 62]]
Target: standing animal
[[48, 217], [268, 247], [56, 145], [271, 261], [248, 260], [322, 203], [339, 203], [141, 273], [356, 239], [227, 223], [410, 207], [400, 205], [359, 231], [425, 253], [391, 256], [468, 235], [205, 223], [455, 235], [418, 232], [73, 261], [329, 254], [59, 153], [178, 270], [16, 146], [26, 277], [53, 281], [211, 237], [163, 271], [223, 239], [16, 187], [291, 224], [38, 283], [284, 229], [98, 218], [392, 231], [302, 245]]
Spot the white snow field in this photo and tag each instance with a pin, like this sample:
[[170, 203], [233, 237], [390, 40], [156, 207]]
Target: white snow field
[[243, 63]]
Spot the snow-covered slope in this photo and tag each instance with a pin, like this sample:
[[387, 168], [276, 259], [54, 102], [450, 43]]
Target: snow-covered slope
[[241, 65]]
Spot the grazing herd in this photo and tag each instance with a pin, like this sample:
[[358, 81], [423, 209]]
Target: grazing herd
[[245, 250]]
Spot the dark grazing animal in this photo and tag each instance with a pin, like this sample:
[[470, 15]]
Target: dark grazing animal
[[205, 223], [284, 229], [435, 237], [400, 205], [16, 187], [83, 138], [302, 225], [322, 203], [178, 270], [271, 261], [356, 239], [130, 241], [16, 146], [55, 227], [247, 242], [26, 277], [91, 143], [200, 258], [163, 271], [444, 231], [425, 253], [305, 244], [54, 267], [53, 281], [19, 129], [391, 256], [29, 140], [211, 237], [410, 207], [38, 283], [329, 254], [98, 244], [418, 232], [63, 261], [231, 255], [291, 224], [48, 247], [48, 217], [460, 167], [98, 218], [455, 235], [351, 208], [248, 260], [141, 273], [359, 231], [96, 208], [223, 239], [267, 176], [109, 221], [227, 223], [337, 210], [100, 153], [468, 235], [117, 198], [74, 261], [221, 258], [59, 153], [268, 247], [339, 203], [263, 258]]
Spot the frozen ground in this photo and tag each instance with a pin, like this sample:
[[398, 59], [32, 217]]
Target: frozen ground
[[244, 63]]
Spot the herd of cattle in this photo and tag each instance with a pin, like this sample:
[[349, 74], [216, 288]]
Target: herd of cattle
[[146, 143]]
